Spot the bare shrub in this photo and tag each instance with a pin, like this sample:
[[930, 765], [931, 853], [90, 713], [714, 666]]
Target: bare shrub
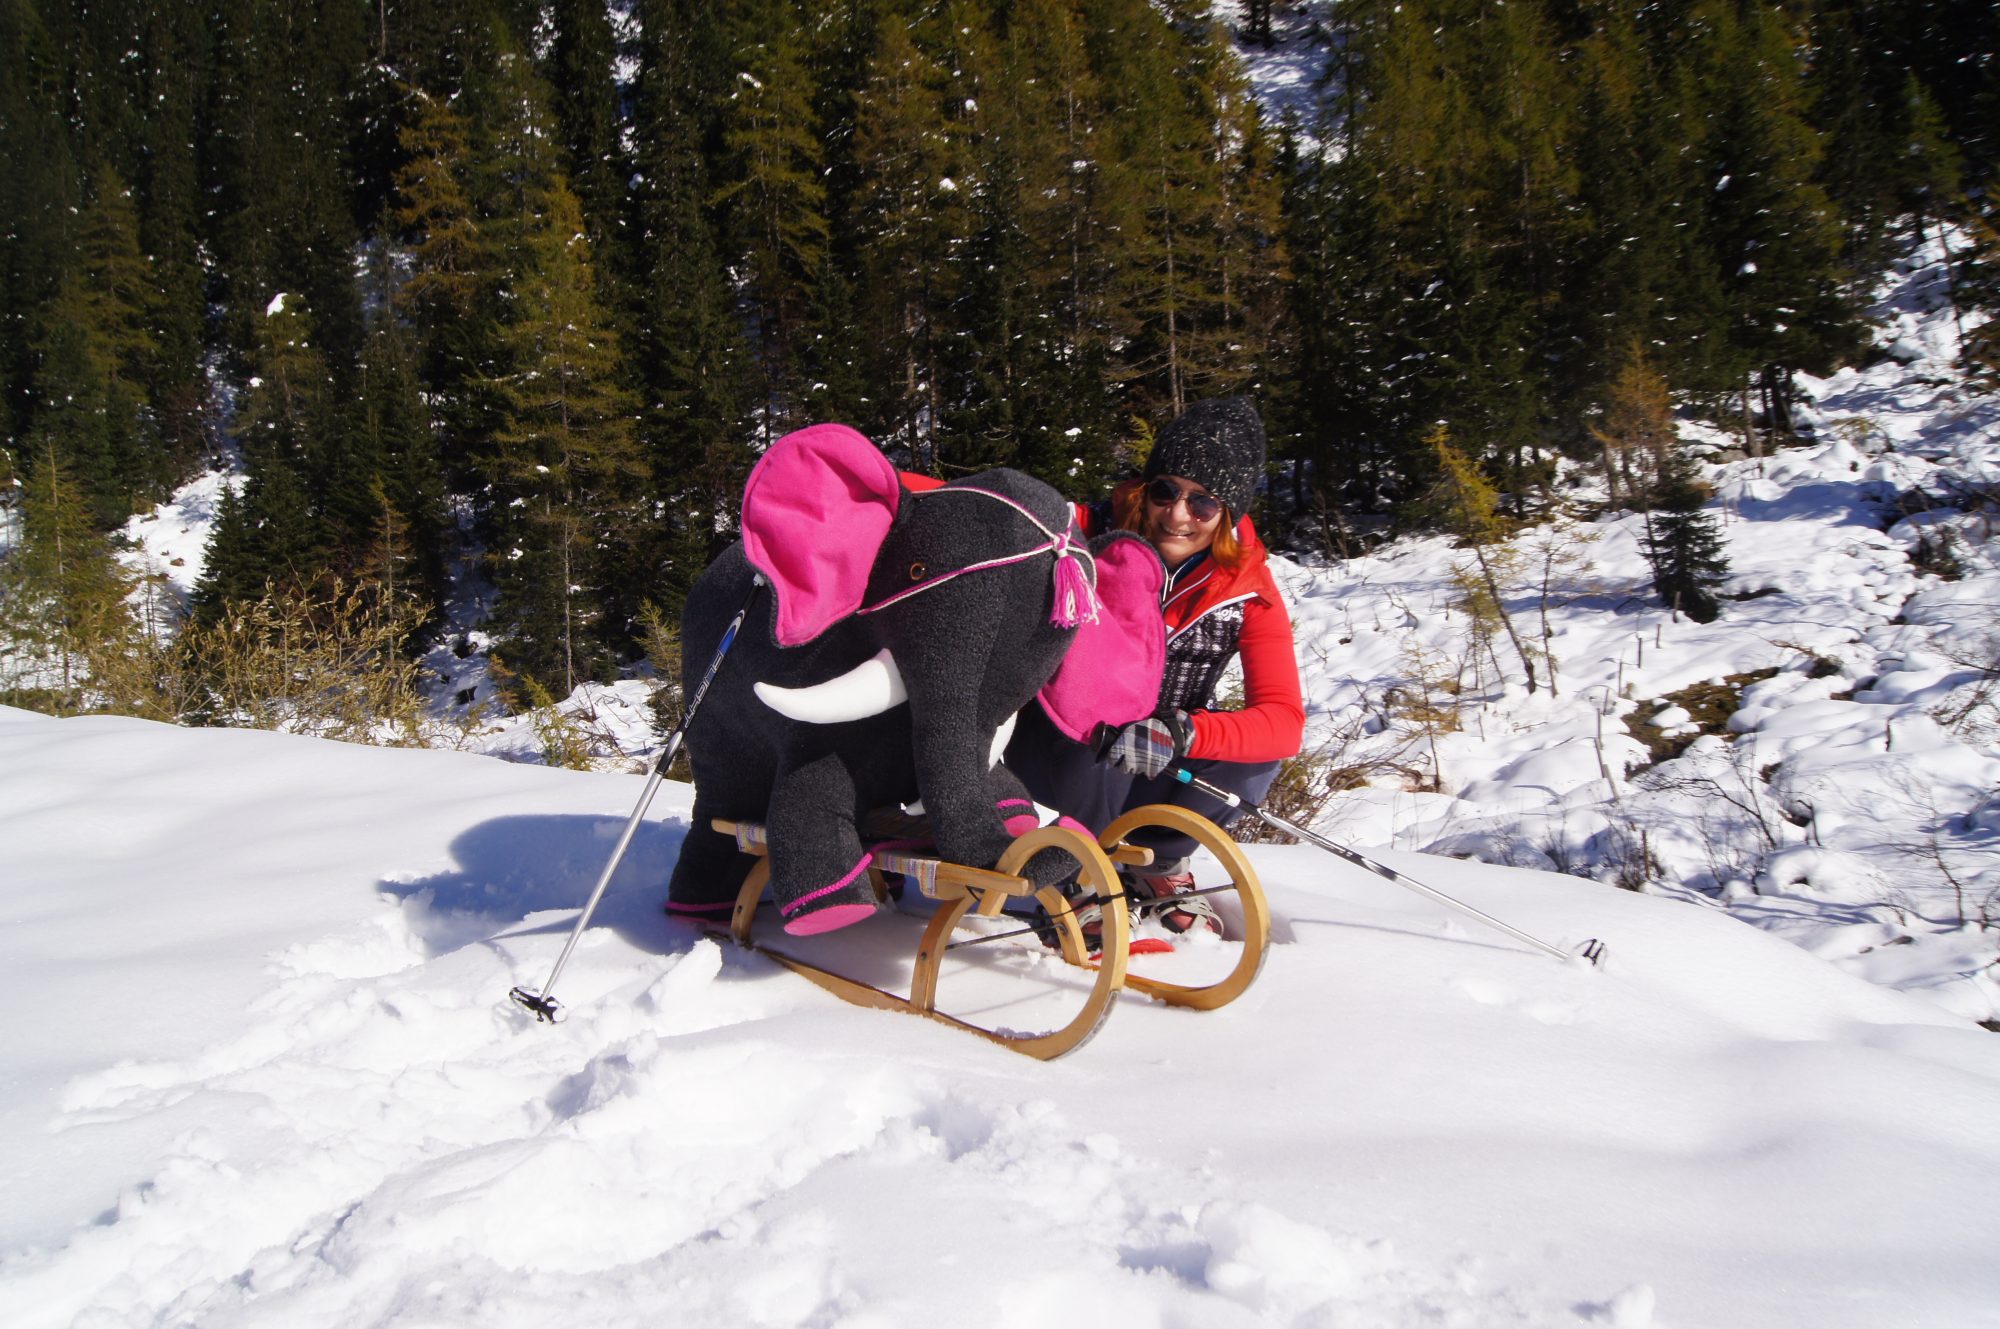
[[1981, 656], [566, 741], [1738, 821], [660, 637], [1431, 700], [332, 662], [1308, 782]]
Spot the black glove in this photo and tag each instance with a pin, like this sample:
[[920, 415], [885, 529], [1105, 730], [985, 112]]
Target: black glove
[[1146, 747]]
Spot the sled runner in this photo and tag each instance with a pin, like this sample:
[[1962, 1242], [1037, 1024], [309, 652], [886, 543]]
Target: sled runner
[[965, 973]]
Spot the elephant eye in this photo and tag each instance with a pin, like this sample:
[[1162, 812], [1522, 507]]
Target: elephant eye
[[917, 571]]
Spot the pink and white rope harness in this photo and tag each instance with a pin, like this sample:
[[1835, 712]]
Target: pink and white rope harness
[[1076, 593]]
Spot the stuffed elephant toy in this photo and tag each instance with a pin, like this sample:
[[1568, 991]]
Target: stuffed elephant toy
[[892, 634]]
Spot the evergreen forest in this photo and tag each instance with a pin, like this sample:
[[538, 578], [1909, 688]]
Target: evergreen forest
[[536, 281]]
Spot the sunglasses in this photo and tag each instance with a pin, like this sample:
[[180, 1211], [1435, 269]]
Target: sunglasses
[[1165, 493]]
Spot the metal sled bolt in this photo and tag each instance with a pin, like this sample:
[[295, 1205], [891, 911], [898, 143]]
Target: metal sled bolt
[[544, 1004], [1591, 951]]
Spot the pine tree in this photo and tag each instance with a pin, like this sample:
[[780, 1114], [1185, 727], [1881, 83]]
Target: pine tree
[[1234, 322], [403, 530], [284, 78], [771, 189], [290, 428], [40, 191], [1346, 412], [1976, 285], [1684, 541], [916, 177], [1163, 192], [579, 71], [1774, 234], [232, 570], [1637, 274], [1401, 198], [172, 84], [692, 358], [1037, 379]]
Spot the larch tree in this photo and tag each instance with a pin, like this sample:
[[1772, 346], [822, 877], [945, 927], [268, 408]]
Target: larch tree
[[563, 463], [94, 360], [62, 594], [445, 296], [1635, 431], [1471, 507]]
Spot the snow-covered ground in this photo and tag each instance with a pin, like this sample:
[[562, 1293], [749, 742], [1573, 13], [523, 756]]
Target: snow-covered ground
[[261, 1070], [1849, 801]]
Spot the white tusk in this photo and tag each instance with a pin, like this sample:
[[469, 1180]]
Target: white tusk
[[870, 688]]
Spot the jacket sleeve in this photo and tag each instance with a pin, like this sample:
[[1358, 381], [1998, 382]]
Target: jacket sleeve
[[1271, 726]]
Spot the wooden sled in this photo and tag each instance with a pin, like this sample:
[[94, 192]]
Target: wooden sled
[[970, 897]]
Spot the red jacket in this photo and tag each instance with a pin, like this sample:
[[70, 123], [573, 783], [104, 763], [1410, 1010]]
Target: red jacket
[[1271, 724]]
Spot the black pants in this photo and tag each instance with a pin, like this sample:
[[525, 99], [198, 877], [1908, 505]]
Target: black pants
[[1066, 776]]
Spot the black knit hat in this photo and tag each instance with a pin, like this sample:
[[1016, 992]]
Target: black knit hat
[[1218, 444]]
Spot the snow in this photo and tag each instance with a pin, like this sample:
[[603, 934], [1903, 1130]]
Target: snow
[[171, 541], [262, 1070]]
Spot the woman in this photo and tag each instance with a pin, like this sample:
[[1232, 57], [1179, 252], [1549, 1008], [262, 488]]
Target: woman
[[1219, 602]]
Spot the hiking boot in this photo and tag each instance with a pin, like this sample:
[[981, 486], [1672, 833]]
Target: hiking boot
[[1193, 914], [1089, 920]]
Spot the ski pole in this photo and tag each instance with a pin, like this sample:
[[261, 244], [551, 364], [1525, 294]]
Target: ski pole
[[545, 1005], [1591, 951]]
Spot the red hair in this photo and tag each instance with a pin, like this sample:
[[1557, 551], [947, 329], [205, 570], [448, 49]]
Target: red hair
[[1128, 513]]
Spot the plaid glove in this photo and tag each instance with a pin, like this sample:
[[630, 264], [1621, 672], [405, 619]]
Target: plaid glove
[[1147, 747]]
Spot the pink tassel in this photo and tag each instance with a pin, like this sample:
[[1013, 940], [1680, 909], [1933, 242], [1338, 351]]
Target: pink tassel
[[1075, 603]]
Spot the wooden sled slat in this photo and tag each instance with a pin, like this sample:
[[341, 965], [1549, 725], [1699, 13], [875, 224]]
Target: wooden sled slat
[[1256, 926], [964, 891], [960, 889]]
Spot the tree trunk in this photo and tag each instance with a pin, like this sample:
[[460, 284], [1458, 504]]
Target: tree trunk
[[1506, 621]]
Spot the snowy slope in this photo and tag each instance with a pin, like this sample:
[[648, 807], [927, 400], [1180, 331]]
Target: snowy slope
[[1850, 801], [261, 1071]]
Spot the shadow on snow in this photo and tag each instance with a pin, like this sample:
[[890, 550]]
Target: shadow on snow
[[511, 868]]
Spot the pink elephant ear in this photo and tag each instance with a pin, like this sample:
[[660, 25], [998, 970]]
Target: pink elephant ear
[[815, 510], [1111, 672]]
